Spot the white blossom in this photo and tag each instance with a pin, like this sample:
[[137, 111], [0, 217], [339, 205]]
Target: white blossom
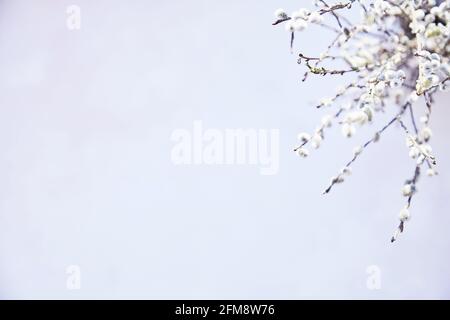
[[289, 26], [358, 117], [303, 152], [301, 14], [326, 120], [346, 171], [348, 130], [326, 102], [299, 25], [414, 152], [379, 88], [410, 141], [404, 215], [425, 134], [424, 119], [280, 14], [357, 150], [315, 17], [407, 190], [304, 137], [316, 140]]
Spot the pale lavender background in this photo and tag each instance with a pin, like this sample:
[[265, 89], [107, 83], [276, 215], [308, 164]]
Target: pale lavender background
[[86, 176]]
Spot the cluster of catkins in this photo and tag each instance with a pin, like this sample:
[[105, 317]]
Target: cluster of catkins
[[399, 56]]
